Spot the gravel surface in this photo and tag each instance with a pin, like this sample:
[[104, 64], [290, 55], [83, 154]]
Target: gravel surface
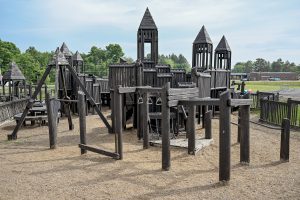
[[29, 170]]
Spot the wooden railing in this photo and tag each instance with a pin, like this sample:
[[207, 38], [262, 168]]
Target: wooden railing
[[274, 111]]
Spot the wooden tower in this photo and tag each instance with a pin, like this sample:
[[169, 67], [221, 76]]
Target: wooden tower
[[222, 63], [202, 51], [147, 41]]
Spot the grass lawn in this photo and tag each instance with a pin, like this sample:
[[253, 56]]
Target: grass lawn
[[266, 86]]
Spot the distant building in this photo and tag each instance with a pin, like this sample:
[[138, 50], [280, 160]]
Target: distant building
[[262, 76], [238, 76]]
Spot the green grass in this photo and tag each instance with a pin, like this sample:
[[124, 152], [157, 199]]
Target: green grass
[[267, 86]]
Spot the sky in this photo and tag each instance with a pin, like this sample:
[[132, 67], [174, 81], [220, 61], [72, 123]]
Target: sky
[[268, 29]]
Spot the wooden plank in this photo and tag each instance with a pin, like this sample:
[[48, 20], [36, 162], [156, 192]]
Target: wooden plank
[[199, 101], [224, 138], [99, 151], [177, 91], [240, 102]]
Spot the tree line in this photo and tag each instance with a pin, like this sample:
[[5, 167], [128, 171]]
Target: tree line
[[33, 63], [262, 65]]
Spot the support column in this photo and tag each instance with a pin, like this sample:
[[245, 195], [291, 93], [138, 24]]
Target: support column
[[224, 135], [244, 134], [82, 119], [165, 129]]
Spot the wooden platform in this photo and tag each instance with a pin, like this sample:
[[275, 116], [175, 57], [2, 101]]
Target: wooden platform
[[183, 143]]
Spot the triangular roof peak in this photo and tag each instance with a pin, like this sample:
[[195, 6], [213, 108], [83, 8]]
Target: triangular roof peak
[[202, 37], [14, 73], [65, 50], [59, 58], [77, 56], [147, 21], [223, 45]]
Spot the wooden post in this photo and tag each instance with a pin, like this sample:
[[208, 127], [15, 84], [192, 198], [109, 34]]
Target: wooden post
[[82, 119], [191, 130], [145, 111], [208, 128], [118, 122], [112, 106], [289, 111], [224, 135], [244, 134], [285, 140], [204, 110], [165, 129], [52, 121], [239, 126]]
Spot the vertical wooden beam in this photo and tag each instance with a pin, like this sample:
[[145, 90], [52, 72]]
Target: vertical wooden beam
[[52, 121], [118, 122], [224, 135], [204, 110], [145, 116], [165, 129], [191, 130], [285, 140], [244, 134], [82, 119], [208, 128], [239, 126]]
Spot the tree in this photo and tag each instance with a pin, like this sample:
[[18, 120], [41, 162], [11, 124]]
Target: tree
[[261, 65], [8, 53]]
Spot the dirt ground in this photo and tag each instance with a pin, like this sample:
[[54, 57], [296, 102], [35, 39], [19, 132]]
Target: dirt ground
[[29, 170]]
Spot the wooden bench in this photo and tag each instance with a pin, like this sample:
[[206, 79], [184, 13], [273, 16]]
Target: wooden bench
[[40, 118]]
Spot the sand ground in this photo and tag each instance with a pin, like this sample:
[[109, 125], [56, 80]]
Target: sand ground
[[29, 170]]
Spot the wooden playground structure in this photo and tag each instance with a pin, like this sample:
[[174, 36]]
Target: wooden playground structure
[[153, 94]]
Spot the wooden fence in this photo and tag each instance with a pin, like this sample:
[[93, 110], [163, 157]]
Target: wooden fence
[[274, 112], [272, 96]]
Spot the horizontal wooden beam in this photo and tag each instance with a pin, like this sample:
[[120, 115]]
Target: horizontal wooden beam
[[100, 151], [176, 91], [200, 101], [241, 102]]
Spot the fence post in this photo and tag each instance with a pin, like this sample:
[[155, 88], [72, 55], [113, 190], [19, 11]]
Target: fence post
[[52, 121], [82, 119], [224, 135], [165, 129], [285, 140], [258, 99], [192, 130], [208, 128]]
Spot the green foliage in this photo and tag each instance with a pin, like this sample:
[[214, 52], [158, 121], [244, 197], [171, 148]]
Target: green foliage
[[175, 61], [8, 53], [98, 60], [261, 65]]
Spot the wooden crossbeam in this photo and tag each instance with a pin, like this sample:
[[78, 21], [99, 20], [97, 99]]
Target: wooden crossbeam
[[100, 151]]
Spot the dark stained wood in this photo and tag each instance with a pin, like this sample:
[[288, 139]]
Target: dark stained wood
[[165, 130], [82, 120], [145, 115], [191, 130], [52, 121], [100, 151], [244, 134], [224, 137], [285, 140], [119, 122], [208, 127]]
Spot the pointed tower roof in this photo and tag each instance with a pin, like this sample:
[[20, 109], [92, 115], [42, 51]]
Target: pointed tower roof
[[147, 21], [202, 37], [223, 45], [65, 50], [77, 56], [59, 57], [14, 73]]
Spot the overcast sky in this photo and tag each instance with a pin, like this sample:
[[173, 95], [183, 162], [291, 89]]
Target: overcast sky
[[258, 28]]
